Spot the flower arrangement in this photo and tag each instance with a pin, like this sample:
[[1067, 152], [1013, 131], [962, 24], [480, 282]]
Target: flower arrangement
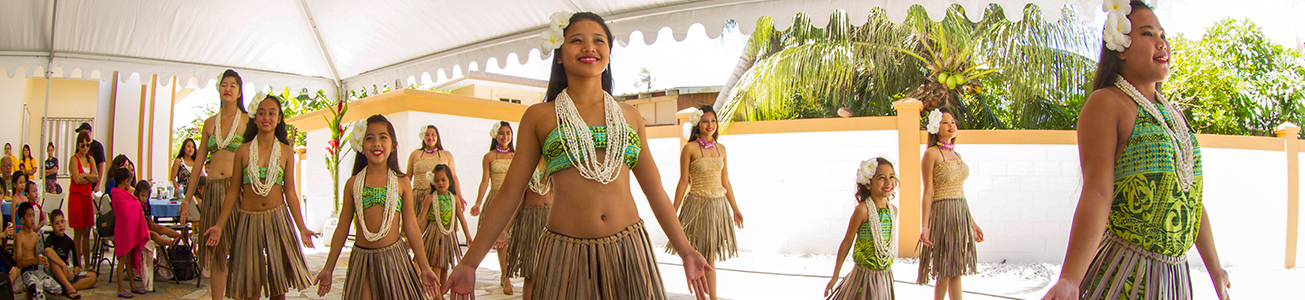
[[333, 155]]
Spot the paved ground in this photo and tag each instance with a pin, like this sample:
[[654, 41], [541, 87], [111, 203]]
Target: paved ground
[[771, 276]]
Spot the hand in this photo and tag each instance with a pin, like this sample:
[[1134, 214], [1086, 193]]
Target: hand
[[695, 270], [306, 236], [1063, 290], [464, 204], [76, 270], [431, 283], [924, 236], [214, 235], [978, 233], [185, 212], [475, 210], [323, 282], [9, 231], [1221, 283], [462, 282], [71, 275], [40, 260], [738, 219], [830, 287]]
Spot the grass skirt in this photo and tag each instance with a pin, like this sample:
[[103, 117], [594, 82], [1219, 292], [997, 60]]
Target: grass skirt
[[864, 283], [954, 252], [1122, 270], [709, 226], [215, 191], [442, 250], [620, 266], [268, 258], [387, 272], [524, 243]]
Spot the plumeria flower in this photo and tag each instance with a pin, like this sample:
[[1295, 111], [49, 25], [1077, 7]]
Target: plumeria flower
[[688, 130], [493, 130], [866, 171], [935, 119], [356, 133], [430, 176], [1111, 6], [695, 116], [559, 20], [550, 39]]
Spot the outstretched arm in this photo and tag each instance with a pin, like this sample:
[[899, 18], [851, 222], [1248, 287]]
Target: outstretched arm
[[1205, 244], [291, 192], [682, 186], [323, 280], [859, 216]]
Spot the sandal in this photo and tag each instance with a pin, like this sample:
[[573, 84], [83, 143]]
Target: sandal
[[73, 295], [127, 295], [138, 291]]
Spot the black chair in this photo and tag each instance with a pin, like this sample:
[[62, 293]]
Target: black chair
[[103, 237]]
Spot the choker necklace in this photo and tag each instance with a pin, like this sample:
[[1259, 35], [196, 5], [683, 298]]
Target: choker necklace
[[946, 146], [501, 149], [433, 150], [705, 144]]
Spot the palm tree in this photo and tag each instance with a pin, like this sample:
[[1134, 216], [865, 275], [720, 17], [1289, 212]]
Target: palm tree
[[994, 72]]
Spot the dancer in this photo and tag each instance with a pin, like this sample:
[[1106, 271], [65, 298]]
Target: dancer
[[704, 176], [524, 242], [379, 265], [1142, 181], [424, 160], [494, 166], [948, 233], [441, 214], [221, 136], [266, 258], [83, 175], [873, 236], [595, 245]]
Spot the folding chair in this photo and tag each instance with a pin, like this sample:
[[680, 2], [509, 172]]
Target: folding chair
[[192, 261], [103, 237]]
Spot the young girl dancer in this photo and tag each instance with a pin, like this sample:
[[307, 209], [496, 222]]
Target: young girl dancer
[[381, 200], [221, 136], [422, 161], [595, 245], [1142, 178], [266, 258], [523, 245], [704, 176], [874, 235], [442, 213], [494, 166], [948, 233]]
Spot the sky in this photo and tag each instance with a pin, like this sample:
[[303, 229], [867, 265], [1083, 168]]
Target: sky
[[702, 61]]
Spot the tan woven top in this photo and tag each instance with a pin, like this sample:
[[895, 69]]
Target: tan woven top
[[949, 179], [704, 177], [497, 172], [423, 164]]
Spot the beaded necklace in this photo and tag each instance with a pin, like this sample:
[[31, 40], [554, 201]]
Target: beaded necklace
[[884, 250], [705, 144], [1180, 136], [391, 202], [264, 185], [946, 146], [579, 143], [223, 141], [499, 149], [440, 223]]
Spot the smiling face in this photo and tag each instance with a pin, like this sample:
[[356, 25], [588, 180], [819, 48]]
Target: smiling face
[[884, 181], [707, 124], [228, 89], [378, 143], [441, 182], [268, 115], [27, 152], [504, 136], [188, 148], [585, 49], [947, 128], [1147, 58], [430, 137]]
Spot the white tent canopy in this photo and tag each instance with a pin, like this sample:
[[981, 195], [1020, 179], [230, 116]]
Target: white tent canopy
[[330, 44]]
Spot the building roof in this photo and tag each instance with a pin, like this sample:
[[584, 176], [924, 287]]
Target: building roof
[[684, 90], [474, 77]]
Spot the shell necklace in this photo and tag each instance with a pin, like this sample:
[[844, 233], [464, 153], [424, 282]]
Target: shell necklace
[[391, 202], [579, 142], [540, 185], [1180, 135], [264, 185], [884, 250], [444, 229], [223, 141]]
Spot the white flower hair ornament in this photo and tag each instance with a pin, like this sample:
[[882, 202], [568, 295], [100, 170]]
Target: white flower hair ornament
[[867, 170], [356, 132], [935, 119], [493, 130], [254, 102], [551, 38], [1117, 25], [694, 117], [430, 176]]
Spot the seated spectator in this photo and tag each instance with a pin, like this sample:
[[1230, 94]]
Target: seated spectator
[[158, 233], [59, 253], [27, 252]]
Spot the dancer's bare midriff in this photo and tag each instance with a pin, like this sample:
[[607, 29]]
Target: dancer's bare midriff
[[584, 208]]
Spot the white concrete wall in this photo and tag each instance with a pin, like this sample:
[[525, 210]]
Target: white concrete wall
[[1246, 200], [11, 106]]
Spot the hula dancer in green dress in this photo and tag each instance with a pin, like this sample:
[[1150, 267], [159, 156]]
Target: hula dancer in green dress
[[870, 236], [1142, 180]]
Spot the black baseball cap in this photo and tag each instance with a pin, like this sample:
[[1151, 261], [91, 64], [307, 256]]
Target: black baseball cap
[[85, 126]]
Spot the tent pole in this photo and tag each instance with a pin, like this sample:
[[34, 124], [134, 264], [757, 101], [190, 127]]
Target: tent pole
[[49, 74]]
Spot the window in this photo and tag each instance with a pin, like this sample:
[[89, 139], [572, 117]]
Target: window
[[61, 132], [508, 100]]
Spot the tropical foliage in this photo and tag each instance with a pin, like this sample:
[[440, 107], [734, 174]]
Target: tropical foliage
[[997, 73], [1233, 80]]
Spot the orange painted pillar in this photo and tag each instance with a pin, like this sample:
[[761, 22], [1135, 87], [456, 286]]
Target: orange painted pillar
[[1288, 132], [908, 171]]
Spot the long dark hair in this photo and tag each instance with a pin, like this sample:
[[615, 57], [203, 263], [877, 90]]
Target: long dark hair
[[195, 151], [448, 173], [113, 165], [360, 159], [557, 77], [933, 137], [862, 193], [251, 130], [493, 142], [439, 141], [1109, 65], [143, 186], [28, 150], [698, 127], [14, 181], [240, 97]]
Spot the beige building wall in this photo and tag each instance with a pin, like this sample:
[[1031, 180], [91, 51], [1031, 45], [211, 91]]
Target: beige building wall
[[71, 98], [657, 110], [484, 91]]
